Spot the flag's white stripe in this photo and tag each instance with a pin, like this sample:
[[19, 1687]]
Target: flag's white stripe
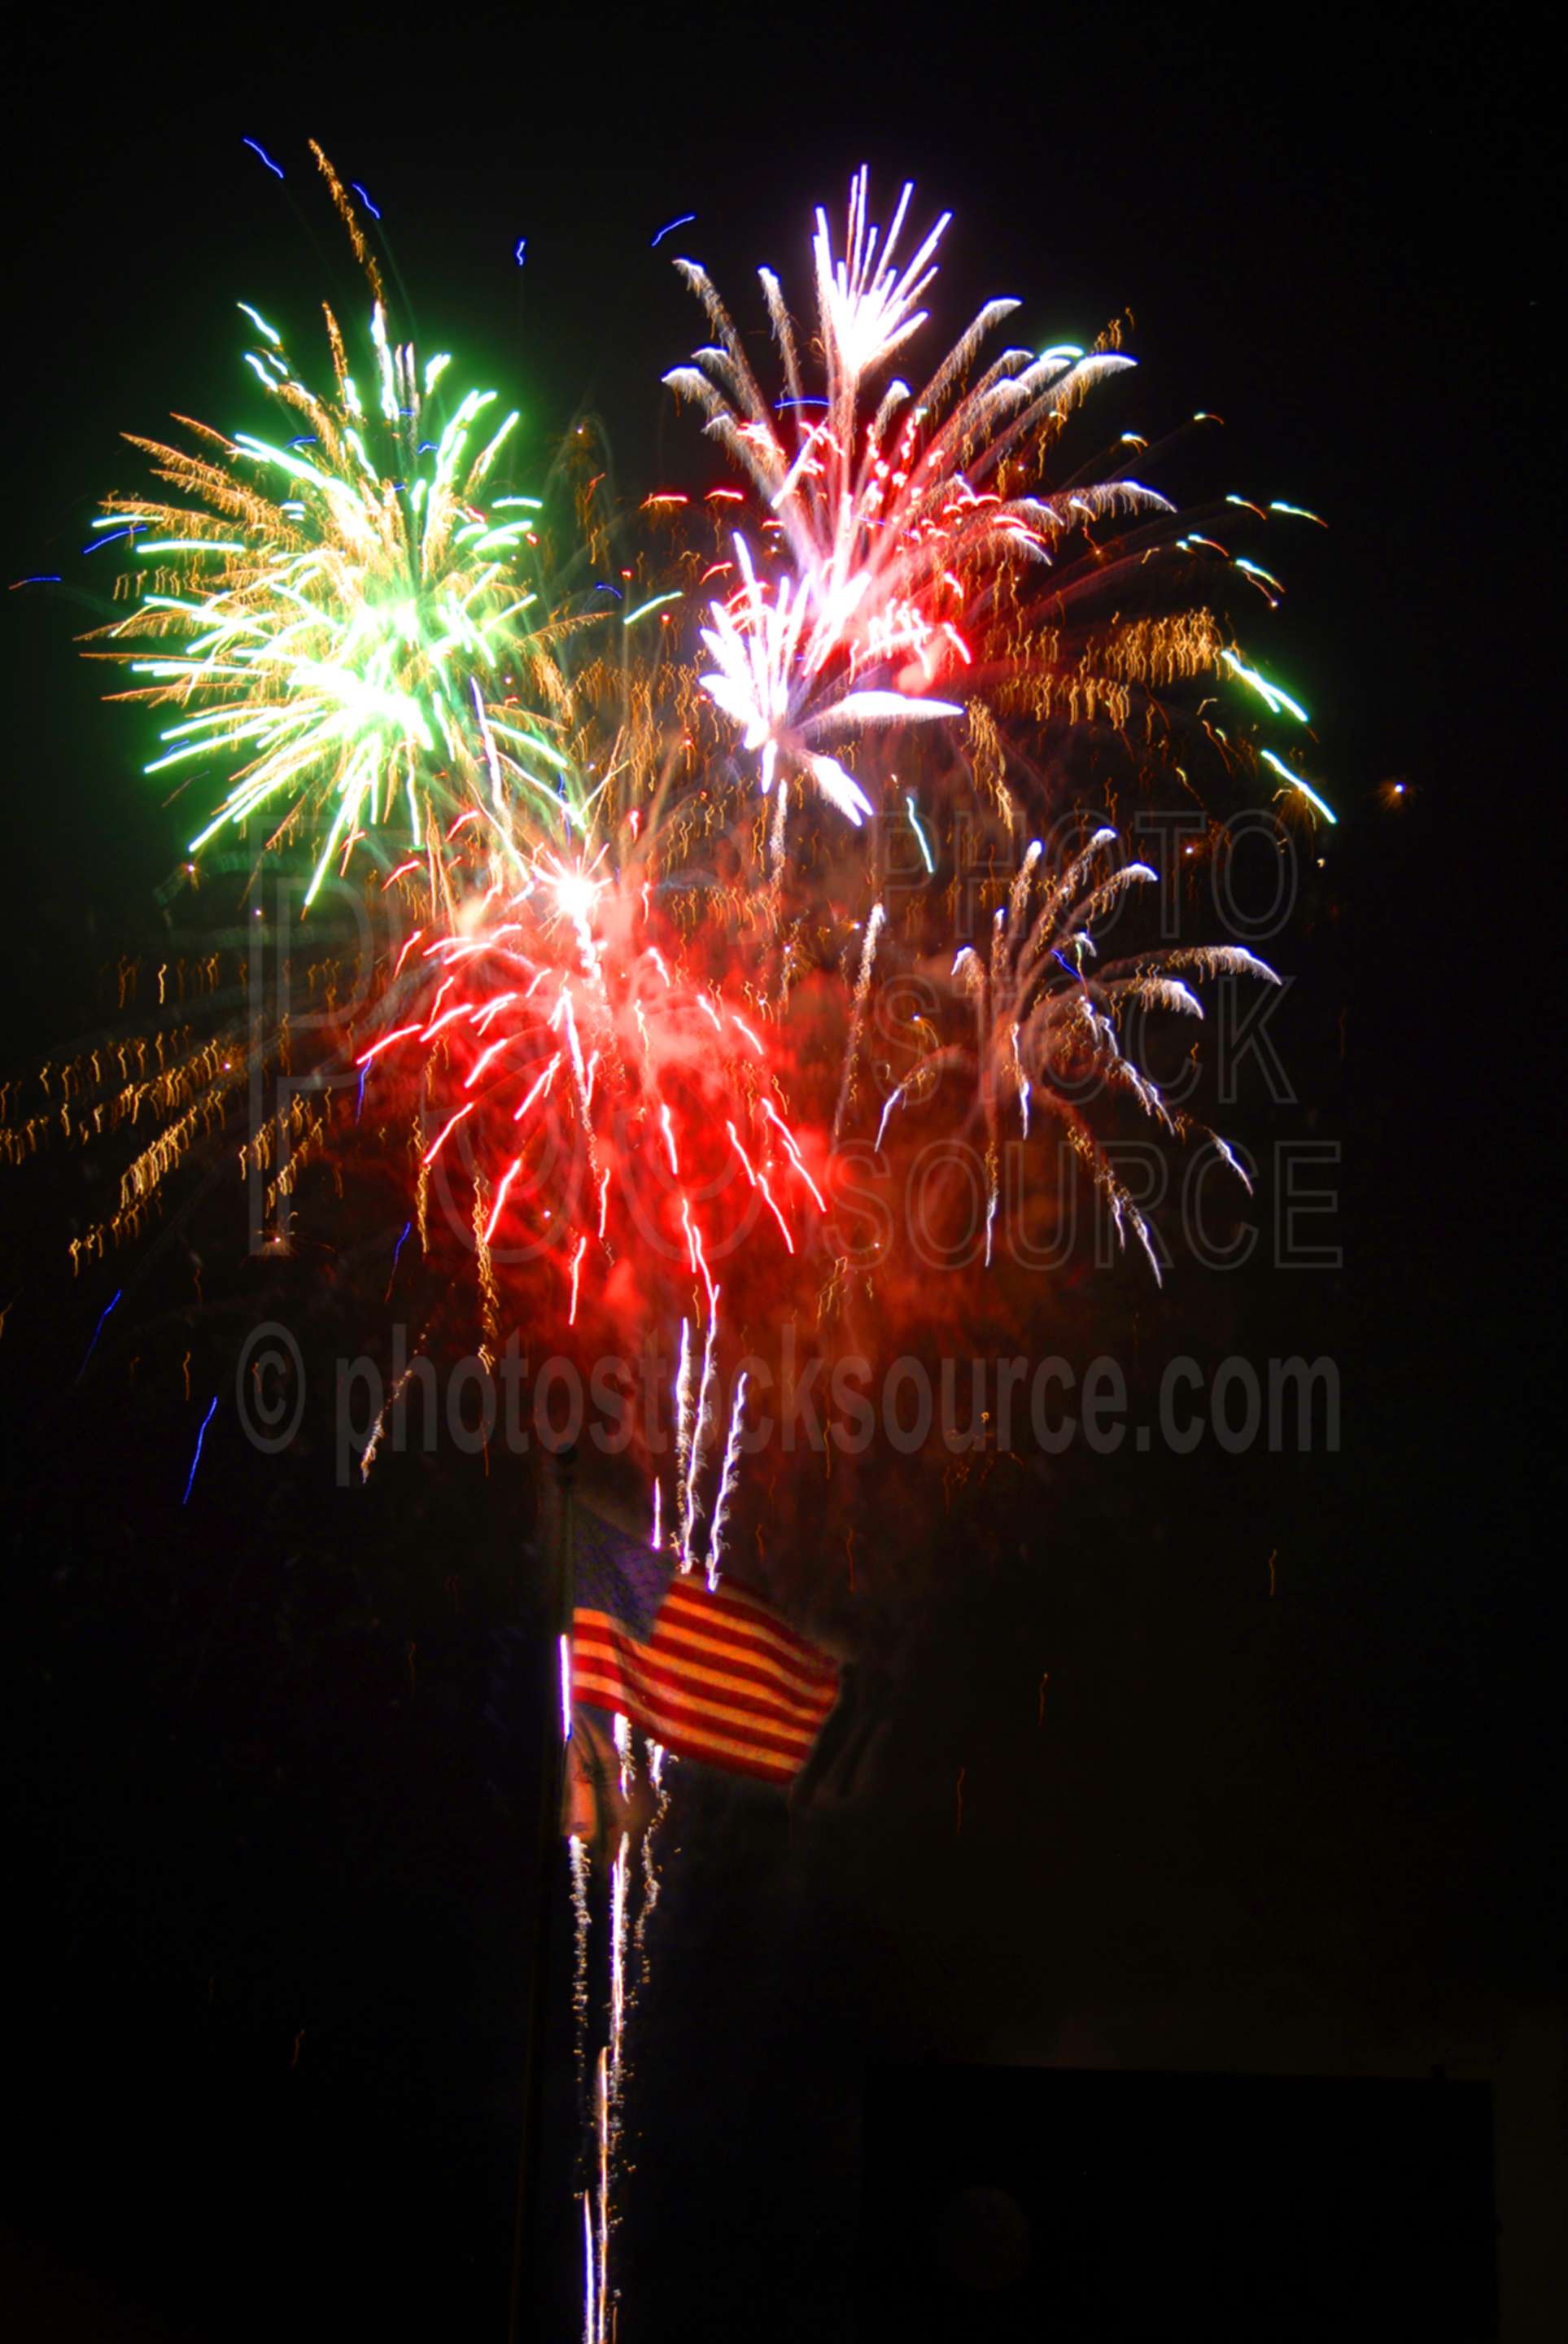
[[684, 1734], [598, 1665]]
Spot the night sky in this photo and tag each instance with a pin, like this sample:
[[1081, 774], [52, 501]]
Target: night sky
[[270, 1758]]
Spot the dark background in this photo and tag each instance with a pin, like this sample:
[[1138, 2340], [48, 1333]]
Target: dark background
[[269, 1867]]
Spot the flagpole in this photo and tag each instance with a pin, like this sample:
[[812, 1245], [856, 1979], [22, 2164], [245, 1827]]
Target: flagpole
[[558, 1615]]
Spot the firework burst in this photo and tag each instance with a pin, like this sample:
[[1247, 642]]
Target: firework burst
[[611, 1000], [896, 518], [1048, 1025], [346, 617]]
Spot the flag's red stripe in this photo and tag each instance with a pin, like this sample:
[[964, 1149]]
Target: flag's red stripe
[[680, 1641], [727, 1597], [679, 1611], [678, 1632], [603, 1674], [678, 1672], [678, 1730], [678, 1696], [685, 1737], [754, 1619]]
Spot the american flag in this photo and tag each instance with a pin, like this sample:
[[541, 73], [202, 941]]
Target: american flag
[[711, 1673]]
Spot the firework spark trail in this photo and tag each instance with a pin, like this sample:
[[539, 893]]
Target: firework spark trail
[[729, 1475], [619, 1880], [628, 1944], [857, 1013], [97, 1330], [600, 2295], [658, 1763], [701, 1433], [592, 2332], [367, 1455], [683, 1425], [577, 1850], [195, 1461]]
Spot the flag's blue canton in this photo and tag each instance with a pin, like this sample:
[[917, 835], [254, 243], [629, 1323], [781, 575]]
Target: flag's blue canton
[[617, 1575]]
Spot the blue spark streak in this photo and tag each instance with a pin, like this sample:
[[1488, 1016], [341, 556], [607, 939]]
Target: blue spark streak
[[207, 1418], [263, 153], [683, 221], [364, 198], [97, 1330]]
